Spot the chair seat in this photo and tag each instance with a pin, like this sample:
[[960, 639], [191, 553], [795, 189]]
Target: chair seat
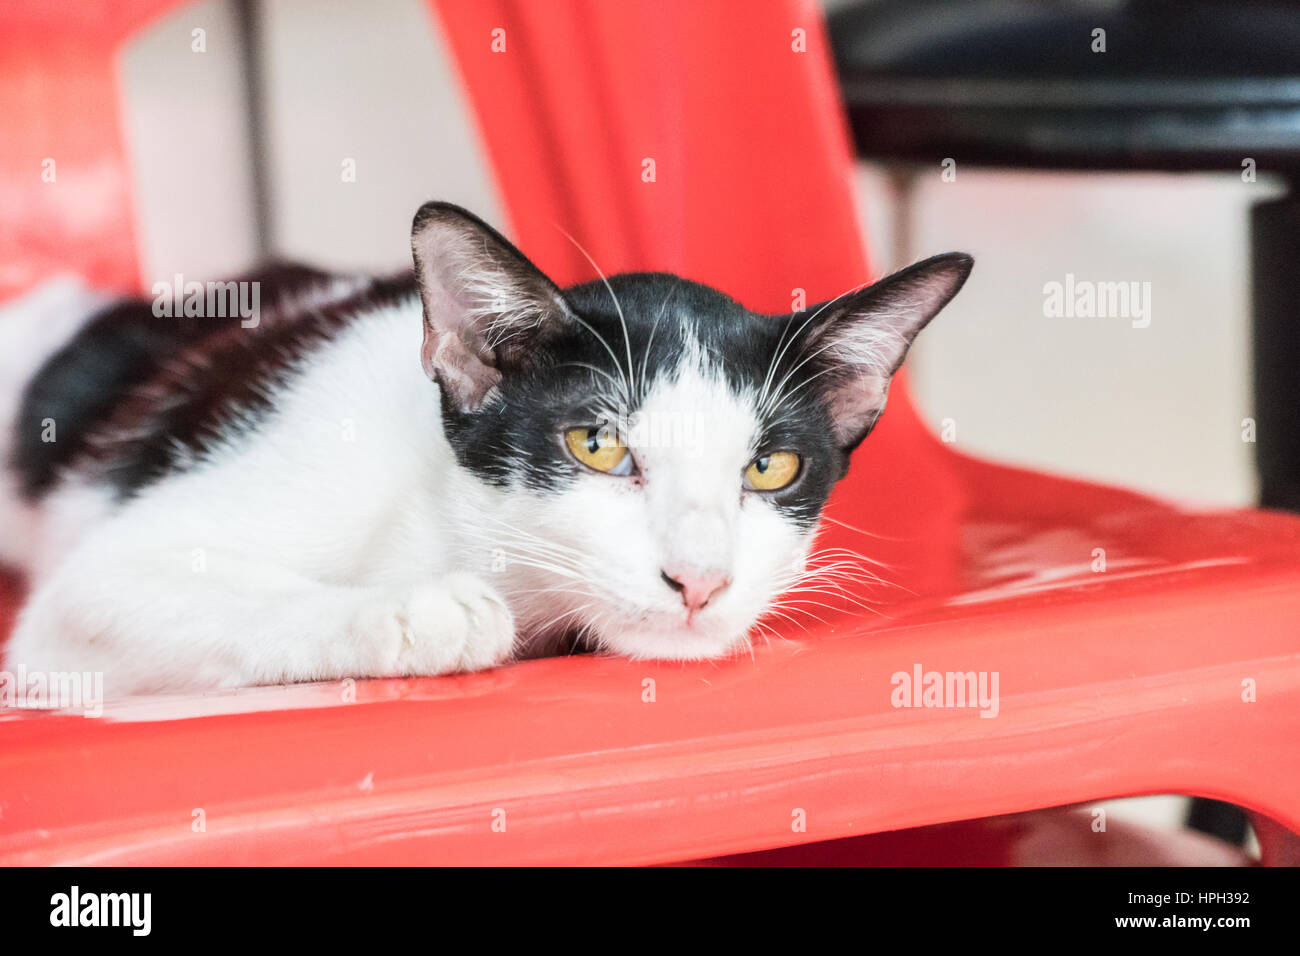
[[1110, 683]]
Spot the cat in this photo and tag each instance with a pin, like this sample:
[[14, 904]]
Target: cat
[[430, 473]]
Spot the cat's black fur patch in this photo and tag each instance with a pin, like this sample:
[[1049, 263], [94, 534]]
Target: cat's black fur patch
[[133, 395], [81, 385]]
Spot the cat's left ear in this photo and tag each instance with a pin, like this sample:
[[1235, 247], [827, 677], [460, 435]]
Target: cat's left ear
[[486, 307], [857, 342]]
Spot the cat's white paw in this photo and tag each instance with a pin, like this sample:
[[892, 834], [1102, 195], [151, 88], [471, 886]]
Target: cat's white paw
[[457, 623]]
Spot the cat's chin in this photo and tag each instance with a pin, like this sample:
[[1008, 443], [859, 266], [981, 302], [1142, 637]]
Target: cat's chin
[[680, 643], [671, 639]]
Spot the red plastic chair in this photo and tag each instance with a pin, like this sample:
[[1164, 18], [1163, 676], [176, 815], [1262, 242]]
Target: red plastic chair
[[1127, 681]]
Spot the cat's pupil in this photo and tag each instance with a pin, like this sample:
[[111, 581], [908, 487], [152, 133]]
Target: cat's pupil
[[593, 440], [762, 464]]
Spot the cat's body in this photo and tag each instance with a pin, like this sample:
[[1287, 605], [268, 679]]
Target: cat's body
[[202, 504]]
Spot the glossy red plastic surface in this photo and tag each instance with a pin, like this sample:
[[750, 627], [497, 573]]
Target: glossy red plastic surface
[[1117, 682], [65, 194]]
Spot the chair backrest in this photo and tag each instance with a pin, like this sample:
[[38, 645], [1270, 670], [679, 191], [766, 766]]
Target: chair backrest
[[65, 188]]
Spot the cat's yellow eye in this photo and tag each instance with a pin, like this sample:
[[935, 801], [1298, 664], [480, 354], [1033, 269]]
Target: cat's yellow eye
[[599, 448], [772, 472]]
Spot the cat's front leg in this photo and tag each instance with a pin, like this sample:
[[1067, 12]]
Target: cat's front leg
[[456, 623], [155, 623]]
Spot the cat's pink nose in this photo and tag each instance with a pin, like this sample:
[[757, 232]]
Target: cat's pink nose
[[697, 587]]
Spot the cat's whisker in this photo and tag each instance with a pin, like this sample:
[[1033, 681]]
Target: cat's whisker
[[861, 531], [521, 533], [836, 573], [543, 629], [645, 353], [845, 572], [766, 633], [599, 371], [624, 388], [847, 589], [500, 542], [831, 589], [779, 353], [860, 357], [800, 605], [840, 579], [780, 396], [777, 610], [853, 603], [507, 537], [622, 319], [551, 568], [885, 341], [856, 555], [517, 592], [519, 550], [535, 554], [844, 569]]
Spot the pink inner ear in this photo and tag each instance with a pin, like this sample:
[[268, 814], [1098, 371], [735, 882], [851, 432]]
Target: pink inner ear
[[464, 376], [855, 405], [449, 352]]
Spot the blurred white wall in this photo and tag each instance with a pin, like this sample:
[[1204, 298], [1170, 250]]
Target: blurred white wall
[[369, 85], [373, 83], [1156, 408], [183, 120]]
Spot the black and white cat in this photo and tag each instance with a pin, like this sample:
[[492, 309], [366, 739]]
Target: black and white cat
[[640, 462]]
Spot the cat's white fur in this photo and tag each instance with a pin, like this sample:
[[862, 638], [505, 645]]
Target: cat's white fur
[[343, 539]]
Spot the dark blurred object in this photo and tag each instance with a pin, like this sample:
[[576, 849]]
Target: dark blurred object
[[1224, 820], [1275, 288], [1182, 84], [1179, 85]]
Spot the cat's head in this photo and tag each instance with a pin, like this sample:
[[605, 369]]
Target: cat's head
[[663, 453]]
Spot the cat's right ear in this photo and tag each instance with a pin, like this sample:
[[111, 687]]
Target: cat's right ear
[[485, 305], [857, 342]]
